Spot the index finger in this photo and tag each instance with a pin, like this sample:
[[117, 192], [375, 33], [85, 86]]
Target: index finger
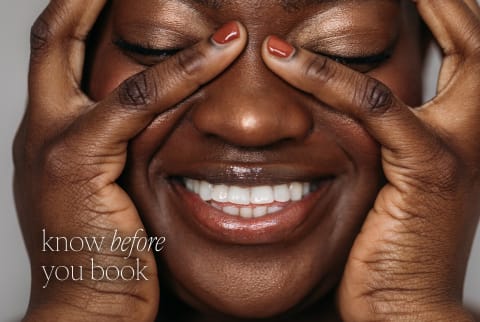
[[390, 122], [122, 115], [57, 42], [453, 23], [474, 6]]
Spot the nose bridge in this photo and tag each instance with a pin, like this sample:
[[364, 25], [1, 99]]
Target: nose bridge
[[250, 106]]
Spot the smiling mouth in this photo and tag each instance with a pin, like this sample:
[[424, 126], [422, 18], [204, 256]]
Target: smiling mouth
[[249, 201], [259, 213]]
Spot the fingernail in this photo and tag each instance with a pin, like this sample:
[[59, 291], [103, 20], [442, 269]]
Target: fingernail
[[279, 47], [226, 33]]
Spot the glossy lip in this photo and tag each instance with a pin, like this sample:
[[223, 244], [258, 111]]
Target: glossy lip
[[271, 228], [251, 174]]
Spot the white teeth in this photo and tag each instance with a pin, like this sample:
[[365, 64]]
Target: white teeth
[[261, 195], [306, 188], [205, 191], [196, 186], [246, 212], [281, 193], [248, 202], [296, 191], [189, 183], [273, 209], [239, 196], [231, 210], [220, 193], [259, 211]]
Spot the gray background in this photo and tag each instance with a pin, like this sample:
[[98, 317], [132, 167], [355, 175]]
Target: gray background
[[16, 18]]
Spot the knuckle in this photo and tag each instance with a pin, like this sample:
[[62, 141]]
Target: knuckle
[[190, 62], [475, 57], [443, 178], [62, 163], [137, 91], [320, 69], [473, 38], [476, 47], [42, 32], [53, 161], [26, 144], [69, 162], [450, 173], [373, 96]]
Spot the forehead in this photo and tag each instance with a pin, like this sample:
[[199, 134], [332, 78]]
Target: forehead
[[286, 4], [251, 8], [255, 11]]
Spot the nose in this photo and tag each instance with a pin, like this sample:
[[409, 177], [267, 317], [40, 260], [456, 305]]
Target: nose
[[249, 106]]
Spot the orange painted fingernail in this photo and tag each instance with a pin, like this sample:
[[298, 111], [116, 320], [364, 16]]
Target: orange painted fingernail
[[279, 47], [226, 33]]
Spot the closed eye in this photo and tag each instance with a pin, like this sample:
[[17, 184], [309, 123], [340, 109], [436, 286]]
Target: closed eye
[[143, 54], [149, 56], [362, 64], [362, 60]]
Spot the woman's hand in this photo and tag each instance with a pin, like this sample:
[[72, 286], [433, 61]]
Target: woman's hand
[[69, 152], [408, 263]]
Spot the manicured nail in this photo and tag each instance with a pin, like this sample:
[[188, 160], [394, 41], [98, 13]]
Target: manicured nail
[[226, 33], [279, 47]]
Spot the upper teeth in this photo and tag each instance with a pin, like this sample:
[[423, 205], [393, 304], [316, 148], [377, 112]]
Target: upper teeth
[[244, 196]]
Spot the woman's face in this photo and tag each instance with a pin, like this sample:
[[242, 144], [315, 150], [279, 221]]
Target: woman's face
[[304, 174]]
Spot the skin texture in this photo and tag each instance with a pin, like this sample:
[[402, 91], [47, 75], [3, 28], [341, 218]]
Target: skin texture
[[392, 232]]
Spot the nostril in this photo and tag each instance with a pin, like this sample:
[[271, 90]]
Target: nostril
[[258, 112], [251, 125]]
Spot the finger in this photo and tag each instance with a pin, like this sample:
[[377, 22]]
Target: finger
[[474, 6], [453, 23], [57, 43], [137, 101], [387, 119], [455, 108]]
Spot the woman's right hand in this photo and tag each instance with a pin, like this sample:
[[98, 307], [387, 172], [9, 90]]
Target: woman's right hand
[[69, 152]]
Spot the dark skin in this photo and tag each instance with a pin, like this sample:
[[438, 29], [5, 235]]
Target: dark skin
[[395, 172], [214, 128]]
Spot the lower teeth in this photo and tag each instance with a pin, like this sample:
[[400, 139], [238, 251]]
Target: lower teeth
[[247, 212]]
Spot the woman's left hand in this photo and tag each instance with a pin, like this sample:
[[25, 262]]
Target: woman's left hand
[[409, 261]]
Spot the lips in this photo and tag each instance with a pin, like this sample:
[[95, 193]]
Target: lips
[[250, 214]]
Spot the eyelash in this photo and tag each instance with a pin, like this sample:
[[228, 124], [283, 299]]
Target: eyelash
[[361, 60], [137, 49]]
